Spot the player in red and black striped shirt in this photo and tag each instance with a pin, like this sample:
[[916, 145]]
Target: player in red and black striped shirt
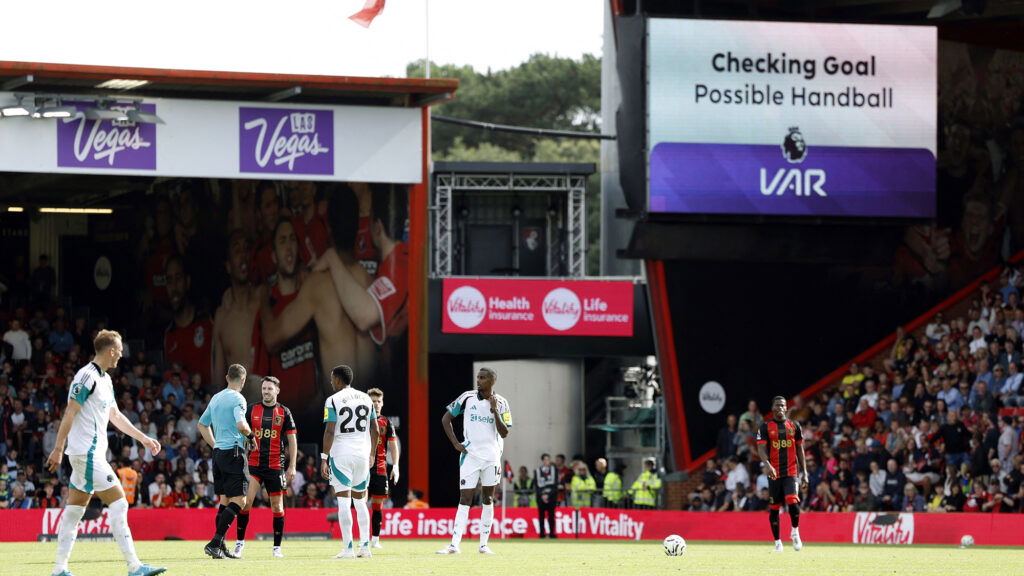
[[780, 444], [386, 442], [271, 424]]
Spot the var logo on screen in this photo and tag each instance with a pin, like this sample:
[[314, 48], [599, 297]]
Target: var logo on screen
[[286, 141], [793, 180]]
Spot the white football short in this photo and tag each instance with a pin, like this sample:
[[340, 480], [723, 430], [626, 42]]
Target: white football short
[[472, 468], [90, 474], [350, 472]]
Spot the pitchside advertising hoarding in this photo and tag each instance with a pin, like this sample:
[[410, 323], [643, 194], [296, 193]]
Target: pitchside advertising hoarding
[[537, 307], [769, 118], [214, 139], [878, 528]]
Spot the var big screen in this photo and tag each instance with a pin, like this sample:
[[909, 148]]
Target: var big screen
[[767, 118]]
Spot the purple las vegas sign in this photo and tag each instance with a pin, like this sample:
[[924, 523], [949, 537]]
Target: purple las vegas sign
[[112, 144], [286, 141]]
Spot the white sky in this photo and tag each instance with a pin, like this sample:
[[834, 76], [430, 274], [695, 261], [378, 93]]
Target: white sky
[[303, 36]]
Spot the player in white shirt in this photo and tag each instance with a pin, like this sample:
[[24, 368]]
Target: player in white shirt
[[91, 406], [486, 419], [350, 430]]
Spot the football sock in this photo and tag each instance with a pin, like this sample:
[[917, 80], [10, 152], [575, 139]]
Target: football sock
[[461, 518], [345, 520], [216, 518], [241, 525], [794, 515], [773, 519], [363, 519], [122, 534], [486, 518], [66, 535], [377, 517], [278, 527], [224, 520]]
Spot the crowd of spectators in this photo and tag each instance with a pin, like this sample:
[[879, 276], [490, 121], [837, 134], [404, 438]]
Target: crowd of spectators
[[41, 350], [934, 427]]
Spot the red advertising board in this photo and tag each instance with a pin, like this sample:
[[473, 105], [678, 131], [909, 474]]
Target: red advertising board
[[537, 307], [588, 523]]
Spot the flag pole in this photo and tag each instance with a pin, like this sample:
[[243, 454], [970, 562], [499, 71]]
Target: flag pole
[[426, 11]]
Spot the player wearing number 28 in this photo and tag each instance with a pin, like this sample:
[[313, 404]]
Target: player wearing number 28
[[486, 420], [350, 432]]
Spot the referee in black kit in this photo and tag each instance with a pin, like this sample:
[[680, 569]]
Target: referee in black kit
[[223, 426]]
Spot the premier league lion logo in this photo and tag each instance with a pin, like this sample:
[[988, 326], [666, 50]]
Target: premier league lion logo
[[794, 148]]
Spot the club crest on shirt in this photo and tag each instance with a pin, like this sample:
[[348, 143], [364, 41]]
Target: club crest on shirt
[[199, 337], [278, 420]]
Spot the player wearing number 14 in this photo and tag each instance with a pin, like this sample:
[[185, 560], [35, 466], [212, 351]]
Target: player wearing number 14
[[486, 420], [350, 431]]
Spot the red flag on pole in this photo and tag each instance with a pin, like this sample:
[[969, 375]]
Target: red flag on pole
[[508, 471], [370, 10]]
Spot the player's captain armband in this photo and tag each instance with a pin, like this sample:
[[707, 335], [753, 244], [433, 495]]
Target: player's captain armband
[[506, 417], [330, 415]]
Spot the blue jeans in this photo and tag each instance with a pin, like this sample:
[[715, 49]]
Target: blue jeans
[[957, 458]]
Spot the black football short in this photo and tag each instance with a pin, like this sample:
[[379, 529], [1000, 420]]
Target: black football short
[[272, 480], [782, 491], [230, 472], [378, 485]]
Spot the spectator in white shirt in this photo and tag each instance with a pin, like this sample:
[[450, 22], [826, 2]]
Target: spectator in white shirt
[[19, 341], [870, 393], [977, 321], [978, 342], [1006, 449], [187, 424], [937, 328], [737, 475]]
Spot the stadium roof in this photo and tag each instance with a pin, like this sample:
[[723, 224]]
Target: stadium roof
[[206, 85], [75, 80]]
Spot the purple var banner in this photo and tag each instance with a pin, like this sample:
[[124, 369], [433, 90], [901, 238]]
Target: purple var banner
[[286, 141], [699, 178], [113, 144]]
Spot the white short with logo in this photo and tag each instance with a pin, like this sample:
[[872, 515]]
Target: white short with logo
[[472, 469], [350, 471], [91, 475]]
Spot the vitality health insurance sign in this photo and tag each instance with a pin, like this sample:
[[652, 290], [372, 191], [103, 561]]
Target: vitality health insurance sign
[[106, 144], [791, 119], [537, 307]]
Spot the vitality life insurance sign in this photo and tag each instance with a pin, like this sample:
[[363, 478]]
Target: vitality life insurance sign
[[791, 119]]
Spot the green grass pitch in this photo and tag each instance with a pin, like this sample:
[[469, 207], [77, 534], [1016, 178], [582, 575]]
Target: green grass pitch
[[523, 557]]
